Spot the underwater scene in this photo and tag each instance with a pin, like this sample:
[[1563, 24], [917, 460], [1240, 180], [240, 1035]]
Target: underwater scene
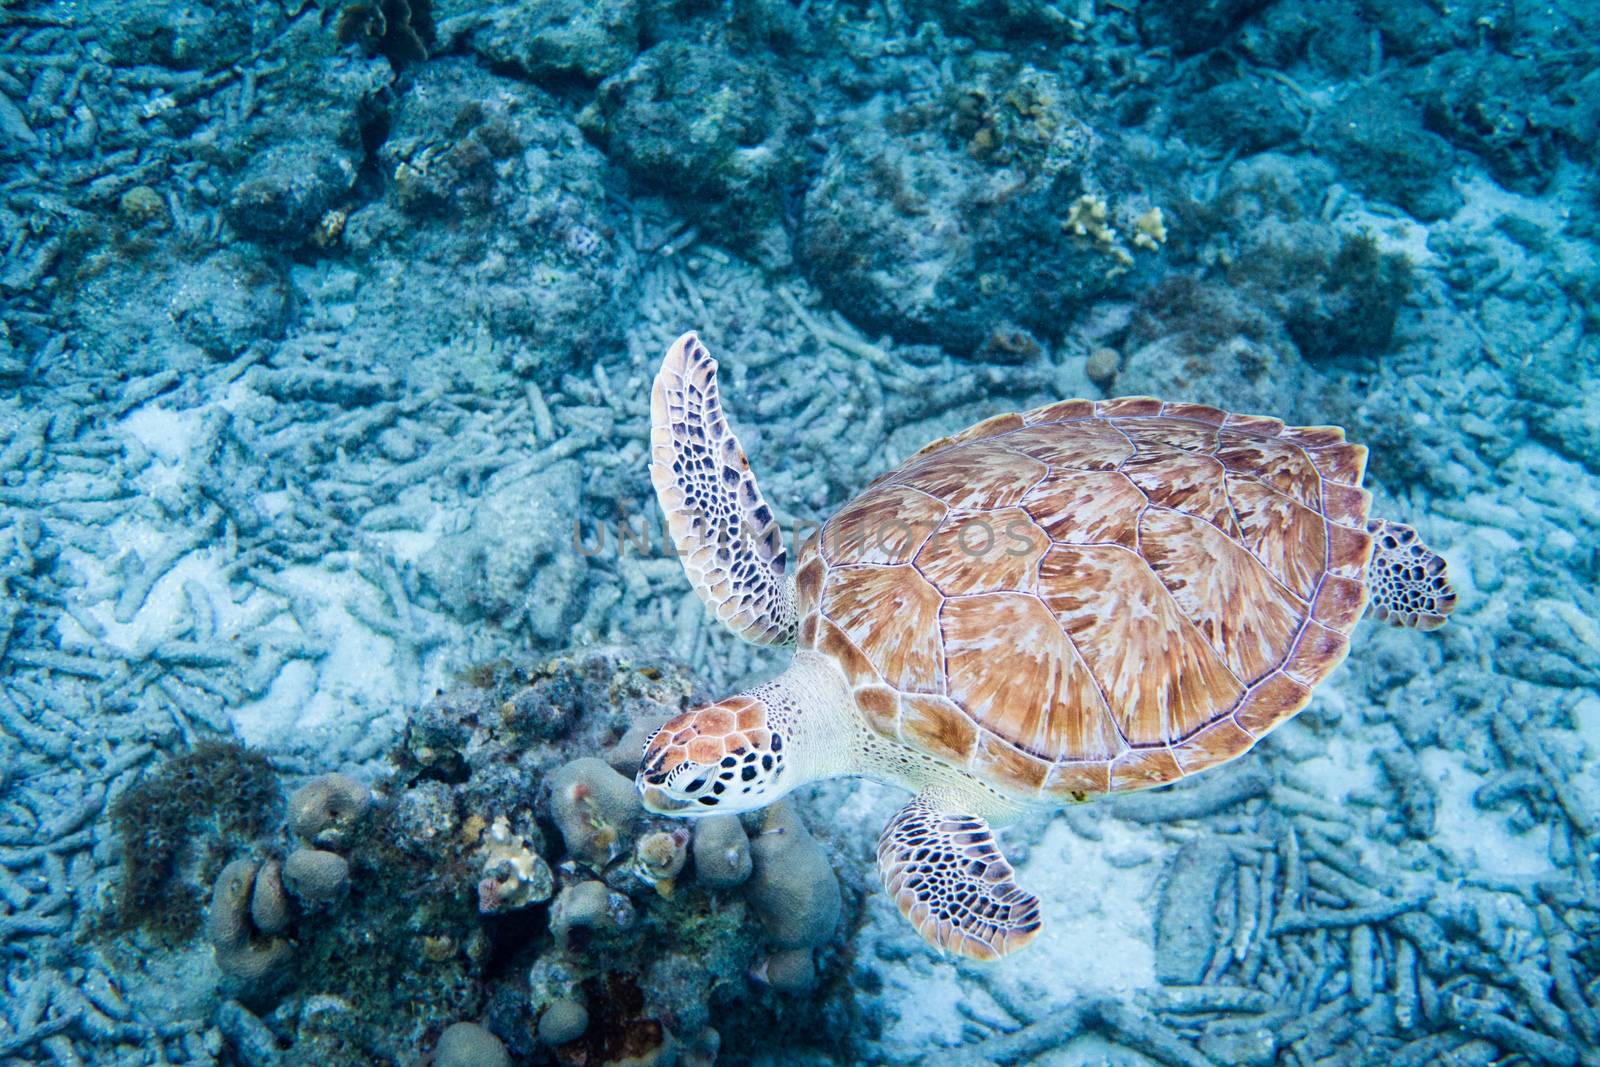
[[611, 533]]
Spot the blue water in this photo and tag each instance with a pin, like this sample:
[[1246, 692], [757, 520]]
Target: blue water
[[326, 341]]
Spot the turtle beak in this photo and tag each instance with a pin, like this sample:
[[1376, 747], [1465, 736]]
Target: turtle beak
[[660, 802]]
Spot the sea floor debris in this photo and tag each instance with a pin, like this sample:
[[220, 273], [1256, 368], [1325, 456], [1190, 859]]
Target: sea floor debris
[[242, 498]]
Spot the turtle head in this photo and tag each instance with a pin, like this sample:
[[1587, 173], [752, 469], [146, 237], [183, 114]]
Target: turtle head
[[725, 757]]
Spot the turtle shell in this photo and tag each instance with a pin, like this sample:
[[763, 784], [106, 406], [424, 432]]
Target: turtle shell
[[1094, 597]]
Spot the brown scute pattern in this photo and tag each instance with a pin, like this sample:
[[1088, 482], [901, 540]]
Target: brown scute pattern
[[1286, 536], [938, 726], [1344, 463], [1169, 433], [1346, 504], [1316, 654], [1177, 590], [883, 525], [1060, 411], [998, 760], [1191, 484], [892, 615], [1160, 677], [1349, 550], [706, 735], [984, 552], [1280, 465], [1339, 603], [1246, 614], [1196, 413], [991, 427], [1313, 436], [1127, 407], [1016, 673], [1142, 768], [982, 474], [881, 705], [936, 445], [1271, 701], [1217, 743], [1254, 425], [854, 662], [1087, 507], [1077, 782], [1091, 446], [808, 584]]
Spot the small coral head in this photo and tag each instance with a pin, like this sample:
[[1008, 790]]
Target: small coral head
[[726, 757]]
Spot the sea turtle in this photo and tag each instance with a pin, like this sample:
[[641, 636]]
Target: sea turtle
[[1090, 597]]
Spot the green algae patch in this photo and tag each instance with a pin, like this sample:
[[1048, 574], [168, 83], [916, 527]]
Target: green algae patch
[[180, 825]]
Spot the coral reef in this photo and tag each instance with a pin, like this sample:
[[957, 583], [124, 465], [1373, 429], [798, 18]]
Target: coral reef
[[446, 854], [1379, 142], [291, 295], [315, 876], [596, 810], [724, 134], [469, 1045], [722, 857], [792, 885], [514, 562], [500, 161], [242, 954], [514, 875], [1037, 237], [562, 1022], [327, 809], [546, 41]]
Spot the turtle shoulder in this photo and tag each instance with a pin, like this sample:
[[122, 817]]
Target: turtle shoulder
[[1094, 597]]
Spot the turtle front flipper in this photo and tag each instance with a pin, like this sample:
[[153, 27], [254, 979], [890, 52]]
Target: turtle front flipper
[[947, 875], [727, 536], [1407, 581]]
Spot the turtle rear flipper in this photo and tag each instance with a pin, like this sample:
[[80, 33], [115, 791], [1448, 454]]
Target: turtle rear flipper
[[724, 531], [1408, 582], [946, 874]]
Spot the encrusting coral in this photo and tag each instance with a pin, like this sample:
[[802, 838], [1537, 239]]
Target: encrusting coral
[[721, 852], [594, 808], [514, 875], [587, 910], [269, 904], [792, 884], [469, 1045], [240, 954], [563, 1021], [660, 856], [323, 811], [315, 876]]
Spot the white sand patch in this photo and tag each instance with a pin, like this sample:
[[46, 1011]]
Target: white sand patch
[[165, 613], [358, 672], [1479, 843], [1098, 926], [926, 994], [166, 434], [1092, 1050], [1403, 236], [1586, 718], [1340, 765]]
